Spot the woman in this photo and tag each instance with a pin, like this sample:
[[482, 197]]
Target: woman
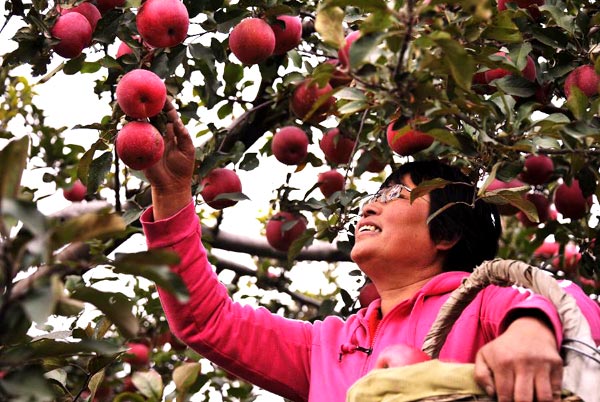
[[511, 336]]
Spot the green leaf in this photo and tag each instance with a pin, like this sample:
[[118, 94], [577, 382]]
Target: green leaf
[[232, 196], [461, 64], [361, 48], [185, 375], [297, 245], [99, 169], [577, 102], [83, 167], [86, 227], [149, 383], [116, 306], [564, 20], [249, 162], [351, 94], [513, 196], [153, 265], [516, 86], [352, 107], [503, 29], [27, 213], [328, 24], [13, 160], [39, 303], [365, 5], [28, 383], [46, 348]]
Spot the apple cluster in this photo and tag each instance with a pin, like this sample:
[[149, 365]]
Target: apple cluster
[[254, 40]]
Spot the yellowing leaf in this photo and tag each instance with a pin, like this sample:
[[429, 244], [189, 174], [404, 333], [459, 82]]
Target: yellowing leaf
[[328, 24]]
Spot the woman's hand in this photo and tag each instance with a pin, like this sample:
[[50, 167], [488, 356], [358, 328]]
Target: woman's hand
[[522, 364], [171, 176]]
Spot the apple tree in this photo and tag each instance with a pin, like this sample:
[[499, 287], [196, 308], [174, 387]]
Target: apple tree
[[346, 89]]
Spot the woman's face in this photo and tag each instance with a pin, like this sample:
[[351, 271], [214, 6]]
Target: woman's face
[[393, 233]]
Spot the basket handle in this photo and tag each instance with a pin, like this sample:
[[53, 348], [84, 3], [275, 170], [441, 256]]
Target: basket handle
[[578, 368]]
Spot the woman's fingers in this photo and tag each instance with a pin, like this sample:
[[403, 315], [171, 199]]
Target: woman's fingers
[[483, 375]]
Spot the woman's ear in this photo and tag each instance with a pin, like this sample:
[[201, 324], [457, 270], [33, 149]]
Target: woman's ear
[[445, 245]]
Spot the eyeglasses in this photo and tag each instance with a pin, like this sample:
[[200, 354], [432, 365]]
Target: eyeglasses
[[390, 193]]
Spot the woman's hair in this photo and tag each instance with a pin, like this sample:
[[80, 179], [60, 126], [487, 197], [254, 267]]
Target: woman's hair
[[476, 226]]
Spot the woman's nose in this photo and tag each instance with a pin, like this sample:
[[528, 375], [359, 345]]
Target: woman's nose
[[369, 209]]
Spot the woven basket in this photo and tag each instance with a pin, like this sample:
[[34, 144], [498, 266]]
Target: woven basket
[[440, 381]]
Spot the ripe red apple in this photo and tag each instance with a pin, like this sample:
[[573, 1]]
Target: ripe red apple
[[337, 147], [252, 41], [407, 140], [123, 49], [139, 145], [570, 202], [367, 293], [344, 51], [547, 249], [330, 182], [529, 72], [137, 354], [163, 23], [74, 32], [283, 228], [537, 169], [542, 206], [306, 95], [88, 10], [338, 77], [141, 94], [220, 181], [290, 145], [288, 37], [106, 5], [76, 192], [399, 355], [505, 209], [585, 78]]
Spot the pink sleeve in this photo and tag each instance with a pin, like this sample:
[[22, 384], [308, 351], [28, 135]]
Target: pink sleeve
[[589, 307], [263, 348], [506, 303]]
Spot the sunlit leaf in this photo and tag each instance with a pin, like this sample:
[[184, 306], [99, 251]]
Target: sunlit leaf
[[328, 24], [149, 383], [13, 159], [86, 227], [116, 306], [185, 375], [153, 265]]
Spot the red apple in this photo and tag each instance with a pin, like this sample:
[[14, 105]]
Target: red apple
[[570, 202], [290, 145], [74, 32], [289, 36], [530, 5], [139, 145], [505, 209], [537, 169], [220, 181], [407, 140], [106, 5], [585, 78], [306, 95], [76, 192], [542, 206], [163, 23], [344, 51], [283, 228], [137, 354], [367, 294], [338, 77], [141, 94], [399, 355], [547, 249], [123, 49], [331, 182], [529, 72], [337, 147], [88, 10], [252, 41]]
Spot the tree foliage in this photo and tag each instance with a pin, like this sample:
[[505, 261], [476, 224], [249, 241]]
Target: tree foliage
[[416, 63]]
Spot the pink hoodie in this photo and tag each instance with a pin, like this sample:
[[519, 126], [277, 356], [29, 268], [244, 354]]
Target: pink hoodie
[[319, 361]]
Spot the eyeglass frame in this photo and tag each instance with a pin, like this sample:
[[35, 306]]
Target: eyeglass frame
[[387, 194]]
